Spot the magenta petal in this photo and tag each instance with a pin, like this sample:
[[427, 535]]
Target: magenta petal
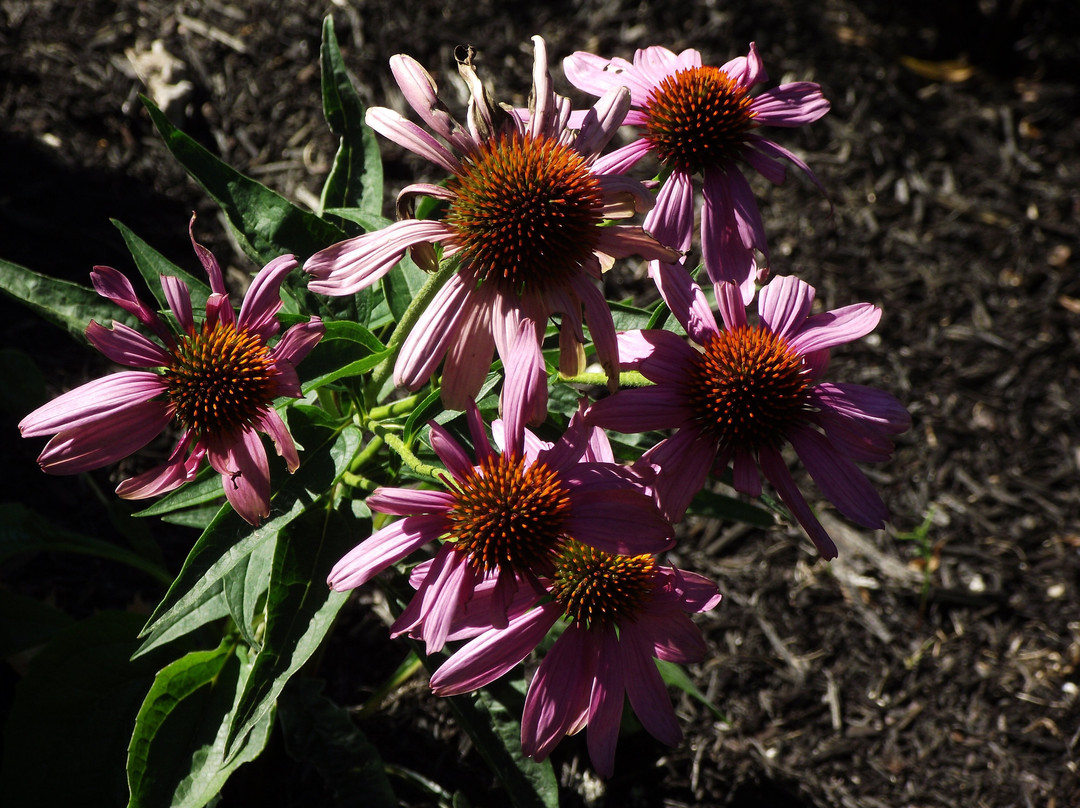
[[405, 133], [685, 460], [383, 548], [771, 169], [619, 521], [262, 301], [409, 501], [606, 704], [96, 444], [790, 105], [468, 359], [602, 121], [298, 341], [839, 479], [427, 343], [727, 257], [493, 653], [113, 285], [623, 158], [167, 477], [601, 327], [421, 93], [730, 304], [671, 221], [640, 409], [95, 401], [441, 597], [685, 299], [660, 356], [646, 690], [776, 470], [674, 637], [770, 149], [270, 423], [178, 296], [450, 452], [783, 305], [559, 692], [126, 346], [245, 475], [596, 76], [209, 262], [831, 328], [524, 387]]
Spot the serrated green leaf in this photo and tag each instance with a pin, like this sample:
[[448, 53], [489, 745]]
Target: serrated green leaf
[[300, 609], [66, 736], [265, 223], [152, 265], [320, 734], [356, 178], [68, 305]]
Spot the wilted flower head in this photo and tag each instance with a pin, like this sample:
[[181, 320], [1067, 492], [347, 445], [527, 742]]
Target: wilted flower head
[[217, 379], [701, 121], [524, 210], [620, 612], [740, 393]]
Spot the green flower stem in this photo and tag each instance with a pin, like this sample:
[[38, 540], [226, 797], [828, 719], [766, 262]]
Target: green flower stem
[[374, 446], [410, 459], [358, 481], [405, 325], [395, 408], [629, 378]]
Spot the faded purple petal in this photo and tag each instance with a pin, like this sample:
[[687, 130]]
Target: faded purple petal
[[671, 221], [831, 328], [430, 338], [421, 93], [776, 470], [792, 104], [95, 401], [559, 692], [126, 346], [839, 479], [646, 690], [383, 548], [262, 302], [619, 521], [405, 133], [409, 501]]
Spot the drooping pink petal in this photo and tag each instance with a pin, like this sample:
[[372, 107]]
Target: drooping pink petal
[[596, 76], [619, 521], [559, 692], [640, 409], [298, 341], [430, 338], [271, 424], [383, 548], [744, 472], [772, 170], [776, 470], [405, 133], [113, 285], [831, 328], [646, 690], [126, 346], [770, 149], [671, 221], [622, 159], [180, 468], [93, 444], [262, 302], [685, 300], [685, 460], [602, 122], [606, 703], [746, 70], [95, 401], [839, 479], [726, 255], [178, 296], [245, 475], [450, 452], [789, 105], [442, 595], [356, 263], [660, 356], [406, 501], [524, 395], [421, 93], [493, 653], [672, 635], [730, 304]]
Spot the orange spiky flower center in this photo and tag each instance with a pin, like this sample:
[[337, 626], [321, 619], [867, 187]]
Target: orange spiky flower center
[[749, 387], [525, 212], [221, 380], [509, 517], [598, 589], [698, 118]]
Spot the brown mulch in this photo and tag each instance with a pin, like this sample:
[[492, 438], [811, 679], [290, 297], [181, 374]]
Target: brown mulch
[[952, 160]]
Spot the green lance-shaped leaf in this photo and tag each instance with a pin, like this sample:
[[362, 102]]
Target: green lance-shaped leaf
[[356, 178], [68, 305], [265, 223], [152, 265], [177, 751], [229, 539], [320, 734], [300, 609]]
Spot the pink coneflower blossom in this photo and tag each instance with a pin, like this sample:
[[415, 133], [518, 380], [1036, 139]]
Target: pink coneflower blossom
[[620, 612], [500, 521], [218, 380], [700, 121], [739, 394], [524, 210]]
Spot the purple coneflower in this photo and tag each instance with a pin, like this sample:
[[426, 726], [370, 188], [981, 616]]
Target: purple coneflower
[[501, 521], [218, 380], [524, 210], [739, 394], [700, 121], [621, 612]]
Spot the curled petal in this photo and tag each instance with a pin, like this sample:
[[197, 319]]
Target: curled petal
[[421, 93], [831, 328], [245, 475], [391, 125], [427, 343], [263, 299], [126, 346], [790, 105], [409, 501]]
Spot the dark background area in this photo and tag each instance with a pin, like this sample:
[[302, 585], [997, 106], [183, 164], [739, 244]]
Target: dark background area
[[951, 156]]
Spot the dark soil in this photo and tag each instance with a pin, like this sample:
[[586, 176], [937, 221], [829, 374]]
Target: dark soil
[[952, 160]]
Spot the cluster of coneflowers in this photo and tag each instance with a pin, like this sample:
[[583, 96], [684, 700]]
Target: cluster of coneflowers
[[529, 534]]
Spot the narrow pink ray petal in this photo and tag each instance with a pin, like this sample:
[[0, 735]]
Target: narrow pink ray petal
[[209, 262], [113, 285], [481, 444], [646, 690], [430, 338], [726, 257], [640, 409], [493, 653], [525, 387], [245, 475], [602, 121], [94, 444], [620, 521], [383, 548], [685, 460], [660, 356], [451, 454], [298, 341], [784, 304], [606, 700], [168, 477], [97, 400], [839, 479], [622, 159], [421, 93], [746, 70], [657, 62], [596, 76], [262, 302], [468, 359], [685, 299], [271, 424], [770, 149], [730, 304], [444, 594], [559, 692], [772, 170], [178, 296], [671, 221], [789, 105], [831, 328], [405, 133], [126, 346], [776, 470], [672, 635], [409, 501]]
